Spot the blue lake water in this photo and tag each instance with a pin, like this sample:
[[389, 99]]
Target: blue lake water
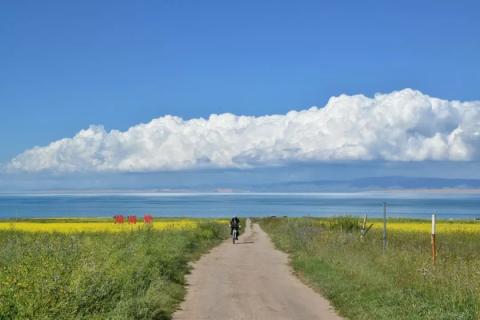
[[413, 205]]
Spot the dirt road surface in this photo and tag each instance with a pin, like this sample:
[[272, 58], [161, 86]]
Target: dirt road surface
[[249, 280]]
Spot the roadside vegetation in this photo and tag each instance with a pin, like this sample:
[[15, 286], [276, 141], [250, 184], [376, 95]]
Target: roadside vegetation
[[72, 270], [363, 282]]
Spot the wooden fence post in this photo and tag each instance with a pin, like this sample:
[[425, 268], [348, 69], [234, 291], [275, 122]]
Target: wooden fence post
[[365, 229]]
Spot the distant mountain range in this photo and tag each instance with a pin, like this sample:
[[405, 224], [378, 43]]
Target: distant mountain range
[[328, 185], [373, 183]]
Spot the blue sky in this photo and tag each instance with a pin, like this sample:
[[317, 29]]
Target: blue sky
[[67, 65]]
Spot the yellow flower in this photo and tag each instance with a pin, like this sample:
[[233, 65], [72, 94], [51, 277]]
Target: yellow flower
[[441, 227], [74, 226]]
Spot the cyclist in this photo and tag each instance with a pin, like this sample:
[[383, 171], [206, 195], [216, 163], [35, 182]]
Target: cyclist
[[234, 225]]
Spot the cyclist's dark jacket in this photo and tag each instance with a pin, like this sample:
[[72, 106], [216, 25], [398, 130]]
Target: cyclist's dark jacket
[[234, 223]]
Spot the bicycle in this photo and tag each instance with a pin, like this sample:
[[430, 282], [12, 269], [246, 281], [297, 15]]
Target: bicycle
[[235, 234]]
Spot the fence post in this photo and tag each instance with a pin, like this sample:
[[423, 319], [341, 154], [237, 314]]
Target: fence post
[[384, 227], [434, 251], [364, 225]]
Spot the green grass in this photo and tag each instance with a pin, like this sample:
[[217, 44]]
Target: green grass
[[128, 275], [363, 283]]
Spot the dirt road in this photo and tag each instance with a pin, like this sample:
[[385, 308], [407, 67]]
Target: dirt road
[[249, 280]]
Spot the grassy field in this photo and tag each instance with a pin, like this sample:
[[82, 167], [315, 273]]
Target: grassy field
[[87, 269], [364, 283]]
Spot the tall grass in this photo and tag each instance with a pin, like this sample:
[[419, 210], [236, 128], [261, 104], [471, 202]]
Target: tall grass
[[364, 283], [130, 275]]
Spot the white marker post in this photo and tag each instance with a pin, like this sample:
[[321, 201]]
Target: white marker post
[[434, 253], [384, 227]]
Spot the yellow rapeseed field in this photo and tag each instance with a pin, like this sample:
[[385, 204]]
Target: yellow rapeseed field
[[441, 227], [102, 226]]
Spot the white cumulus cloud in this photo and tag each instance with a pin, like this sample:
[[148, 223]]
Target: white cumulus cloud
[[403, 125]]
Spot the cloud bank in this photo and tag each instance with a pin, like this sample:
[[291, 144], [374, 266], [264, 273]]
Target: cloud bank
[[403, 125]]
